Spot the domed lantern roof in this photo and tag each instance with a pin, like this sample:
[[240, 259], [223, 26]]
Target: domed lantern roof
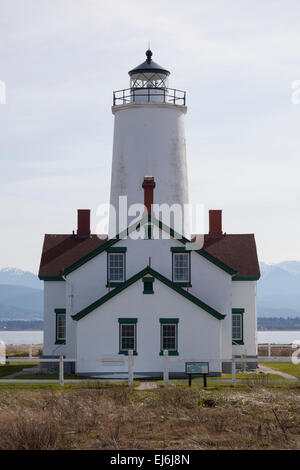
[[149, 74]]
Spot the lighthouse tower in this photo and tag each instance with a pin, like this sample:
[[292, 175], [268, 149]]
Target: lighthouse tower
[[149, 140]]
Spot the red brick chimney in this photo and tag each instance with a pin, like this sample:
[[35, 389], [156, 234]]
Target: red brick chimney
[[215, 222], [83, 222], [148, 186]]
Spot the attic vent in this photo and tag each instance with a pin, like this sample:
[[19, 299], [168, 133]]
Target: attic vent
[[148, 285]]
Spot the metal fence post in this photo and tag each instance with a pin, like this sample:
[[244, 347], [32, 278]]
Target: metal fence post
[[130, 368], [30, 351], [61, 371], [233, 372], [166, 368], [269, 350]]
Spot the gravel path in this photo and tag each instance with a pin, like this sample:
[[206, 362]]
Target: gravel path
[[147, 386], [27, 370], [268, 370]]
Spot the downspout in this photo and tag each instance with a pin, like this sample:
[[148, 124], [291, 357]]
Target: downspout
[[71, 295], [71, 292]]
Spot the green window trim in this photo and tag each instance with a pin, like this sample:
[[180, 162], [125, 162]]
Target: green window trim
[[113, 284], [115, 251], [182, 283], [179, 249], [59, 312], [169, 321], [148, 285], [240, 312], [127, 321]]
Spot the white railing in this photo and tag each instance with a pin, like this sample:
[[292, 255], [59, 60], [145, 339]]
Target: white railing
[[243, 360]]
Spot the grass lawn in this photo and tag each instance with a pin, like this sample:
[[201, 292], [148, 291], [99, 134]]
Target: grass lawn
[[15, 367], [50, 377], [287, 367]]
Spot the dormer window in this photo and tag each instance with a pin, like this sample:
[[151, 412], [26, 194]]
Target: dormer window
[[116, 266]]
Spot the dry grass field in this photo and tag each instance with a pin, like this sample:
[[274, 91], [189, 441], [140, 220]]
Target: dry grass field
[[22, 350], [177, 417]]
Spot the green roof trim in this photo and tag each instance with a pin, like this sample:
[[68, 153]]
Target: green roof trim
[[51, 278], [105, 246], [246, 278], [145, 220], [135, 278], [217, 262]]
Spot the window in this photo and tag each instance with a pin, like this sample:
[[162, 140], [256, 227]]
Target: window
[[60, 325], [127, 335], [237, 327], [169, 335], [116, 267], [181, 267]]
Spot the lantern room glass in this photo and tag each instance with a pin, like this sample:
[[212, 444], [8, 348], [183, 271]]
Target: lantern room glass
[[148, 87], [149, 80]]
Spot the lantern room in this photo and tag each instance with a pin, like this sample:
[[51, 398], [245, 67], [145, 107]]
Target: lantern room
[[149, 74], [149, 84]]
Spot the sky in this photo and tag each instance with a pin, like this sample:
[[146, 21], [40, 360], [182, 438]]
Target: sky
[[237, 60]]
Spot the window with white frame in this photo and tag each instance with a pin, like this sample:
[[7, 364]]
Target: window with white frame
[[60, 326], [237, 327], [181, 267], [169, 335], [127, 335], [116, 267]]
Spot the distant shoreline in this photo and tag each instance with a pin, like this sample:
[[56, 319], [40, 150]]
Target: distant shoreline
[[21, 325]]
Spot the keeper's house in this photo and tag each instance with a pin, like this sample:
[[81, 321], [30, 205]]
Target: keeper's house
[[142, 290]]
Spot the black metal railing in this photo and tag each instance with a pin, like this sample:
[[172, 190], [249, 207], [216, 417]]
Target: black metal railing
[[149, 95]]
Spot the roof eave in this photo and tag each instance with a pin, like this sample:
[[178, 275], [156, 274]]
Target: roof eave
[[135, 278]]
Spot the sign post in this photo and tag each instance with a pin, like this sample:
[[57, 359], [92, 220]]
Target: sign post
[[197, 369]]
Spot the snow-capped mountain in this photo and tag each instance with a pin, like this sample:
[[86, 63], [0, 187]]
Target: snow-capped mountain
[[21, 295], [278, 290], [18, 277]]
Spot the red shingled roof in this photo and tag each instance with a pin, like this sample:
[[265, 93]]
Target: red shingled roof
[[237, 251], [62, 251]]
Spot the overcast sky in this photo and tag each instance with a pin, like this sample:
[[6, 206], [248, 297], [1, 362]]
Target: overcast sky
[[61, 60]]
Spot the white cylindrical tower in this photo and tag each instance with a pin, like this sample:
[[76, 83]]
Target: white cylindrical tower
[[149, 139]]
